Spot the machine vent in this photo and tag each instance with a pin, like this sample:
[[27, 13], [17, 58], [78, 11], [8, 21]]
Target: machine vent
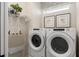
[[35, 29], [58, 29]]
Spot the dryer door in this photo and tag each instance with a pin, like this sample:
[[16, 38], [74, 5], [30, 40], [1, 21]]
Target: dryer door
[[60, 44], [36, 41]]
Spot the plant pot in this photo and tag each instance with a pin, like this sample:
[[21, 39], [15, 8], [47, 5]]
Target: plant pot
[[12, 11], [17, 14]]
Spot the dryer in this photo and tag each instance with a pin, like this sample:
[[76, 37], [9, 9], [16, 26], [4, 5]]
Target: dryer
[[61, 42], [37, 43]]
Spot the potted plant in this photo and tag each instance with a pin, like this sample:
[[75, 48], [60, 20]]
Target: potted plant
[[16, 9]]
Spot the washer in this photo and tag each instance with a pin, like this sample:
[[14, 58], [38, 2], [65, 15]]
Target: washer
[[61, 42], [37, 43]]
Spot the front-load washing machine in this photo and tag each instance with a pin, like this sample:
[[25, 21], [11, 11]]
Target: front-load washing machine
[[37, 43], [61, 42]]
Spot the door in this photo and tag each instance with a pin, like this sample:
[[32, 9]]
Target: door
[[2, 29], [60, 44], [36, 41]]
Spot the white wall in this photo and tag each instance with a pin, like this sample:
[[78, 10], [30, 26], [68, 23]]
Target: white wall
[[77, 13], [33, 14], [74, 10], [70, 10], [77, 25]]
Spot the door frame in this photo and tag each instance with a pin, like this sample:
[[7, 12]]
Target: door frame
[[6, 28]]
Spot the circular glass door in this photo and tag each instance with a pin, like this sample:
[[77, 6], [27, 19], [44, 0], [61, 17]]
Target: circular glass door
[[36, 40], [59, 45]]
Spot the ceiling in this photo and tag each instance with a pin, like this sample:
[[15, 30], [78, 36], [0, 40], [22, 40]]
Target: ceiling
[[49, 4]]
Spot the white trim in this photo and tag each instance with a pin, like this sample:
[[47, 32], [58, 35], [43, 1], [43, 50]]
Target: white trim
[[2, 29], [6, 28]]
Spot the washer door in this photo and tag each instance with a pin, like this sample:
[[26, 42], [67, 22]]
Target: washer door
[[60, 44], [36, 41]]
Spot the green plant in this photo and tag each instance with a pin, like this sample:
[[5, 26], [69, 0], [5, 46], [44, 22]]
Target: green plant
[[16, 7]]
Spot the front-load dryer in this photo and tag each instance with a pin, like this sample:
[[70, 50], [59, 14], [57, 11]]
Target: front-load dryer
[[61, 42], [37, 43]]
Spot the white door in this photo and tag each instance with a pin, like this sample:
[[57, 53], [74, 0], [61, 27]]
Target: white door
[[60, 44], [36, 41], [2, 29]]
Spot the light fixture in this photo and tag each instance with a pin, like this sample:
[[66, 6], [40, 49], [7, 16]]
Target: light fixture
[[57, 9]]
